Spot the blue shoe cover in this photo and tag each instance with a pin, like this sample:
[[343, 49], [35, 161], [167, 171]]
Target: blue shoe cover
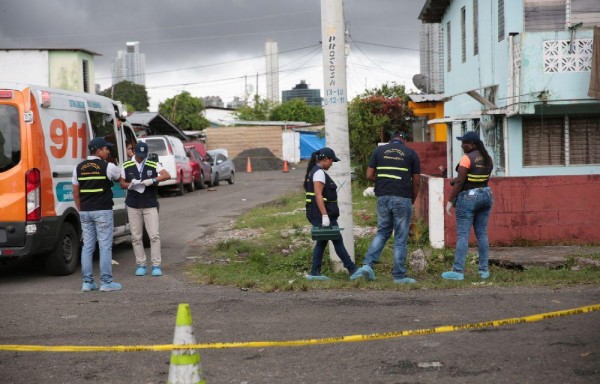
[[141, 270], [484, 274], [108, 287], [358, 274], [319, 277], [368, 273], [156, 271], [451, 275], [87, 287], [406, 280]]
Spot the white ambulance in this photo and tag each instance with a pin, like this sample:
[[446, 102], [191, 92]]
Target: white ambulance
[[43, 136]]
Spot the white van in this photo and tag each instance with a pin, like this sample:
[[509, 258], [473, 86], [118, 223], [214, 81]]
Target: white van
[[172, 156], [44, 134]]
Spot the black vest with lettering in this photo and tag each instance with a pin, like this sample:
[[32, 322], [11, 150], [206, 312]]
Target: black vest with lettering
[[329, 195], [95, 188], [396, 163], [478, 174], [147, 199]]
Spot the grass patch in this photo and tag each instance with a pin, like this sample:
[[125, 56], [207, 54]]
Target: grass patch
[[278, 259]]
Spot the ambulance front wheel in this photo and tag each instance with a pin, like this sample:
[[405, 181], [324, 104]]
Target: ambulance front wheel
[[62, 261]]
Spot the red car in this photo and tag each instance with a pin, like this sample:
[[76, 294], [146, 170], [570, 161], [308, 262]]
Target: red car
[[201, 169]]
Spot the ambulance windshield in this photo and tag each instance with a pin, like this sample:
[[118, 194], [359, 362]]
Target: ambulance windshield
[[10, 137]]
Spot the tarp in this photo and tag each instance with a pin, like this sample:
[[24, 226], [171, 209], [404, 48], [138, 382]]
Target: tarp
[[310, 142]]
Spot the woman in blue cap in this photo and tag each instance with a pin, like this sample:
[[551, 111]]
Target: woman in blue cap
[[322, 209], [473, 201]]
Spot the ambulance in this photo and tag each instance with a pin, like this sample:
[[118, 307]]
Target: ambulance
[[44, 134]]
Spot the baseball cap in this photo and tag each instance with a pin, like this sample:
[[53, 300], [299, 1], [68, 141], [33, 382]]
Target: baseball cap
[[141, 150], [470, 136], [398, 135], [328, 152], [98, 142]]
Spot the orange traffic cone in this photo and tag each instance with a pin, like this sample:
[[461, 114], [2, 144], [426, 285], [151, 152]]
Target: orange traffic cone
[[248, 166], [285, 166]]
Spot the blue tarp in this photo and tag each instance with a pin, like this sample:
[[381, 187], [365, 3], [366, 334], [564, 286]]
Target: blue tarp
[[310, 142]]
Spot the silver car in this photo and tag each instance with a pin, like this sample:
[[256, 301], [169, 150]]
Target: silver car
[[222, 167]]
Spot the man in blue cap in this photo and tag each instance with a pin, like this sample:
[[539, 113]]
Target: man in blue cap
[[140, 176], [92, 192], [395, 169]]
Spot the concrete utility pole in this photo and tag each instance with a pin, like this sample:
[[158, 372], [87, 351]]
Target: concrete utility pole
[[336, 114]]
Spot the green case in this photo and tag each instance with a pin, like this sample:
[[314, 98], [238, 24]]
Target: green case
[[326, 233]]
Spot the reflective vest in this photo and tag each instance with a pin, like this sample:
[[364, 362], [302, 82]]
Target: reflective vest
[[95, 188], [394, 165], [478, 174], [329, 195], [148, 198]]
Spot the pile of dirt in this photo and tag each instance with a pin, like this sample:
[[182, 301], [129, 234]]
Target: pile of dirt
[[261, 159]]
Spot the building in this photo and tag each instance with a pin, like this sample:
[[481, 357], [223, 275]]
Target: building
[[236, 103], [63, 68], [272, 71], [129, 65], [301, 91], [431, 56], [519, 72], [213, 101], [426, 108]]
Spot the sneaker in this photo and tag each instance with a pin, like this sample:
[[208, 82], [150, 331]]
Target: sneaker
[[86, 287], [156, 271], [319, 277], [406, 280], [451, 275], [107, 287], [141, 270], [484, 274]]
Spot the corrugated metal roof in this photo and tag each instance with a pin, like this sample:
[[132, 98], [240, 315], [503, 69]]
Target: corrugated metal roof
[[426, 97], [52, 49]]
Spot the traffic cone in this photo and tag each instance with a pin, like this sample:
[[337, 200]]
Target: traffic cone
[[285, 166], [248, 166], [185, 363]]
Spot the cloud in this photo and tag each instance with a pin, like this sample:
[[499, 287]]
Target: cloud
[[216, 47]]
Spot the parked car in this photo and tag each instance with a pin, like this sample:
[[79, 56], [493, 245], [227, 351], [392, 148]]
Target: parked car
[[172, 156], [201, 169], [222, 167]]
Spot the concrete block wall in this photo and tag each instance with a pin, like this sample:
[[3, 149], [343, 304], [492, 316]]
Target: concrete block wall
[[543, 210], [239, 139]]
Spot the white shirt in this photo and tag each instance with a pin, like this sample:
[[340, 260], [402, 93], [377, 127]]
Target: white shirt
[[112, 171], [319, 176]]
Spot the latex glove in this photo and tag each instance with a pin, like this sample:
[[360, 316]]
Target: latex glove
[[147, 182], [133, 182], [449, 208], [325, 221]]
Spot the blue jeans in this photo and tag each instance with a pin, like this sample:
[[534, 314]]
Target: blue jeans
[[393, 214], [340, 249], [97, 225], [473, 208]]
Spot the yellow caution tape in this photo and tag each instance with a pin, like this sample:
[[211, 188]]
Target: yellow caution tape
[[296, 343]]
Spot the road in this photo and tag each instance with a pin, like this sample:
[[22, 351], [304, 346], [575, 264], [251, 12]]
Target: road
[[43, 310]]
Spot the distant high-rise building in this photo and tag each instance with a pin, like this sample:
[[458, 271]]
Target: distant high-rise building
[[272, 71], [432, 57], [213, 101], [236, 103], [301, 91], [130, 65]]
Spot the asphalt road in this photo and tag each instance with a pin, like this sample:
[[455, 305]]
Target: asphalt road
[[43, 310]]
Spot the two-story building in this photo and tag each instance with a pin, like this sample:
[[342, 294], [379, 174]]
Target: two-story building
[[518, 72]]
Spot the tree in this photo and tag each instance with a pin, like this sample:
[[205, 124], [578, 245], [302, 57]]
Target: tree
[[258, 112], [185, 111], [134, 96], [298, 110], [372, 117]]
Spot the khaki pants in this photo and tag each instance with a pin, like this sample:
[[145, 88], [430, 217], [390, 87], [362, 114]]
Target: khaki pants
[[138, 218]]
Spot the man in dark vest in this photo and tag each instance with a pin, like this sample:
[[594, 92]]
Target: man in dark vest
[[92, 192], [395, 169], [141, 177]]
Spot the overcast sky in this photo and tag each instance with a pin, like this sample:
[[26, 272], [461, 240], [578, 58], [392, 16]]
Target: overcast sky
[[216, 47]]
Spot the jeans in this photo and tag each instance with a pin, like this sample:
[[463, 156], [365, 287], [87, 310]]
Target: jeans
[[97, 225], [138, 219], [393, 213], [340, 249], [473, 208]]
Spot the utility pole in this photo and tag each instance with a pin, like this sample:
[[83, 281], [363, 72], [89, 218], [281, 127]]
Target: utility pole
[[335, 102]]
